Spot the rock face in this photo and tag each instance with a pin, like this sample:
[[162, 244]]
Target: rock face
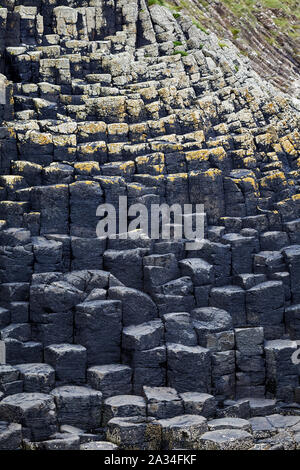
[[266, 31], [138, 341]]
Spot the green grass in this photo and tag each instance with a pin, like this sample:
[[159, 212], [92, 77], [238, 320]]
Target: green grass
[[235, 32], [281, 22], [182, 53], [156, 2], [273, 3], [247, 7], [177, 43], [222, 45], [199, 26], [271, 40], [163, 3], [239, 9], [204, 3], [294, 34]]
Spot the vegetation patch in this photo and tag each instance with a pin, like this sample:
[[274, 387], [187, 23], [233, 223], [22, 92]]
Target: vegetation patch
[[182, 53], [222, 45], [199, 26]]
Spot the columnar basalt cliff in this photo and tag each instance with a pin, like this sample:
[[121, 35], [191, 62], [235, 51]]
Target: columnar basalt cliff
[[266, 31], [138, 343]]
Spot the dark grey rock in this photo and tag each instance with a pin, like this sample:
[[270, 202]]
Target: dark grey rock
[[110, 379], [231, 299], [78, 406], [37, 377], [58, 441], [162, 402], [226, 439], [261, 406], [179, 329], [229, 423], [137, 306], [249, 341], [98, 445], [10, 436], [123, 406], [189, 368], [98, 329], [145, 336], [199, 404], [35, 411], [68, 360], [183, 431], [261, 427], [134, 433], [198, 270]]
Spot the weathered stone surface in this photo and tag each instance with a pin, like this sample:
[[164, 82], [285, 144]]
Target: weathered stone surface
[[136, 433], [145, 336], [261, 427], [182, 431], [162, 402], [37, 377], [78, 406], [227, 439], [199, 403], [229, 423], [189, 368], [98, 329], [58, 441], [137, 306], [179, 329], [123, 406], [34, 411], [98, 445], [110, 379], [10, 436], [261, 407], [68, 361], [113, 114]]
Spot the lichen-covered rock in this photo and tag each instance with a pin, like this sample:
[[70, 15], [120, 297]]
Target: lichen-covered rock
[[98, 445], [123, 406], [58, 441], [149, 226], [183, 431], [162, 402], [226, 439], [135, 433], [229, 423]]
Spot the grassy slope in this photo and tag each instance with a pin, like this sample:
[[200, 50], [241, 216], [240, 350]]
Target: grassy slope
[[265, 30]]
